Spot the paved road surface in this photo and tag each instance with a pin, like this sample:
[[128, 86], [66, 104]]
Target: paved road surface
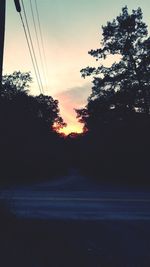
[[75, 197], [84, 225]]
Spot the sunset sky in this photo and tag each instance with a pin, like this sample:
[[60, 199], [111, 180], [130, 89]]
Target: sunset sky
[[70, 29]]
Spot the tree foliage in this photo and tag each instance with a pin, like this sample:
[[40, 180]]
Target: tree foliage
[[29, 146], [123, 88], [42, 108], [116, 119], [15, 83]]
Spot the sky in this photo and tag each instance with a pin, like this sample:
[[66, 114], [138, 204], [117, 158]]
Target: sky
[[70, 29]]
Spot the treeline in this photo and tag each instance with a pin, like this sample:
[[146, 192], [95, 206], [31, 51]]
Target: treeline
[[115, 146], [30, 148], [115, 154]]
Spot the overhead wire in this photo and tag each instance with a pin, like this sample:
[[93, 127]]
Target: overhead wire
[[30, 51], [41, 36], [32, 48], [38, 42]]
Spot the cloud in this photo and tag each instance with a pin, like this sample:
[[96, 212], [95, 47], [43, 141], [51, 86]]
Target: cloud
[[76, 96]]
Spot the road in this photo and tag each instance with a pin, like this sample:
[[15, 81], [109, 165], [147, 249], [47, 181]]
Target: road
[[83, 224], [75, 197]]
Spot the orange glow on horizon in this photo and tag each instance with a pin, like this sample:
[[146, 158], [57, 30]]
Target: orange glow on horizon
[[71, 129]]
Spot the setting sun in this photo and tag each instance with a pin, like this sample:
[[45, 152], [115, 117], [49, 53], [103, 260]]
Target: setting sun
[[71, 129]]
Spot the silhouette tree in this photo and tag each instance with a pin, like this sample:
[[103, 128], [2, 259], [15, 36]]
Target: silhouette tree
[[29, 145], [48, 111], [15, 83], [116, 119], [124, 87], [42, 108]]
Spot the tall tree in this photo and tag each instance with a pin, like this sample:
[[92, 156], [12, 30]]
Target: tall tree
[[123, 87]]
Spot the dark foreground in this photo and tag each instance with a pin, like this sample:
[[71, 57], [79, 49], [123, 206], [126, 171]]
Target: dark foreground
[[72, 222], [41, 243]]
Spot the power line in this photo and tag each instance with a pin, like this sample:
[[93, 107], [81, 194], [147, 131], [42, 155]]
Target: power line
[[30, 51], [38, 43], [32, 47], [40, 31], [18, 8]]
